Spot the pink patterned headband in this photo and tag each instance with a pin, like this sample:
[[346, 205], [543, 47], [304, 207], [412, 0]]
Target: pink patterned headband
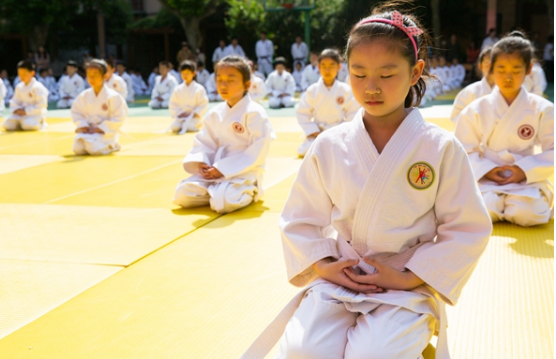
[[397, 21]]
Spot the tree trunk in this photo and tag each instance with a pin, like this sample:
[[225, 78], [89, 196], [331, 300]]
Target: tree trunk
[[192, 32], [550, 5], [435, 7], [37, 37]]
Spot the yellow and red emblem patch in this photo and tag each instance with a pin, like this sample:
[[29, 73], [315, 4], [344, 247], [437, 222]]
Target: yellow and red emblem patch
[[420, 175]]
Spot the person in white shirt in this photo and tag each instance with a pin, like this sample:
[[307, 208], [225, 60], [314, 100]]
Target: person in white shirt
[[490, 40], [50, 85], [257, 73], [114, 81], [121, 69], [219, 53], [311, 72], [29, 103], [98, 113], [297, 76], [535, 82], [188, 102], [8, 85], [458, 73], [212, 91], [70, 85], [139, 85], [174, 73], [257, 89], [280, 85], [264, 49], [164, 85], [234, 49], [202, 74], [151, 80], [299, 51], [3, 92]]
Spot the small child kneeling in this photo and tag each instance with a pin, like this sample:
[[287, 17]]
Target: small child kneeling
[[98, 113], [229, 153]]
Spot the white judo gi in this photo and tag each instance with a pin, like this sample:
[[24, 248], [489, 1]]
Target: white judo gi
[[116, 83], [51, 86], [69, 86], [202, 77], [495, 134], [151, 80], [130, 98], [107, 111], [218, 54], [162, 88], [237, 50], [139, 85], [297, 76], [343, 74], [176, 75], [438, 84], [264, 51], [276, 85], [212, 92], [257, 90], [535, 82], [192, 99], [235, 141], [33, 98], [469, 94], [3, 93], [300, 53], [322, 108], [416, 205], [310, 76], [457, 74], [9, 93]]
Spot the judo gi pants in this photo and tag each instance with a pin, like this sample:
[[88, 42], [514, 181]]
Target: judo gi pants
[[521, 210], [277, 102], [265, 67], [28, 123], [213, 97], [223, 197], [190, 125], [322, 328], [154, 103], [304, 147], [94, 144], [65, 103]]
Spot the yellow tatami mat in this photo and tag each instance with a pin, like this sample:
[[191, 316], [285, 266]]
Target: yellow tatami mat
[[97, 235], [13, 163], [31, 289]]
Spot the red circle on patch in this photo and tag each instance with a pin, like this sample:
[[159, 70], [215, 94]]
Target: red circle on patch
[[115, 85], [254, 86], [525, 132], [238, 127], [340, 100], [30, 94], [104, 106]]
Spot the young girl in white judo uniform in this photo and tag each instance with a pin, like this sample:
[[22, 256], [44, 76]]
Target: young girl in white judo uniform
[[164, 86], [50, 85], [477, 89], [189, 101], [384, 221], [98, 113], [280, 85], [121, 70], [325, 104], [229, 153], [500, 131], [457, 72], [114, 81], [29, 103], [71, 85], [297, 76]]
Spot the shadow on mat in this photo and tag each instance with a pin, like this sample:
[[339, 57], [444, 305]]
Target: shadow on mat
[[537, 241], [254, 210]]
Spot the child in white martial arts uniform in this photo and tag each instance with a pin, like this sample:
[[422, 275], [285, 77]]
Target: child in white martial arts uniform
[[325, 104], [457, 73], [229, 153], [234, 49], [384, 221], [212, 91], [9, 88], [164, 85], [188, 102], [475, 90], [257, 89], [535, 82], [139, 85], [121, 69], [98, 113], [50, 85], [202, 74], [70, 85], [152, 79], [174, 73], [114, 81], [3, 93], [299, 51], [500, 131], [297, 75], [280, 85], [446, 75], [29, 102], [311, 72]]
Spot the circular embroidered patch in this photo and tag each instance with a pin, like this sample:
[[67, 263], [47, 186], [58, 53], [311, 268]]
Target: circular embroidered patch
[[238, 127], [525, 132], [340, 100], [420, 175], [104, 106]]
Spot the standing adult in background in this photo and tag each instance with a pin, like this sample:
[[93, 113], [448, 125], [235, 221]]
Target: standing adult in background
[[548, 58], [219, 53], [490, 40], [184, 53], [454, 49], [234, 49], [265, 51], [300, 51], [42, 58]]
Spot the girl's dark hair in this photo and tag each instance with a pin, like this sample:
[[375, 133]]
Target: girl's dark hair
[[188, 65], [332, 54], [395, 37], [485, 53], [97, 64], [164, 63], [511, 43], [238, 63], [27, 65]]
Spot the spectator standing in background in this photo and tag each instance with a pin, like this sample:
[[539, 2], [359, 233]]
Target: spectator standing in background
[[300, 51], [184, 53], [265, 51], [490, 40], [42, 58], [219, 52], [234, 49]]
